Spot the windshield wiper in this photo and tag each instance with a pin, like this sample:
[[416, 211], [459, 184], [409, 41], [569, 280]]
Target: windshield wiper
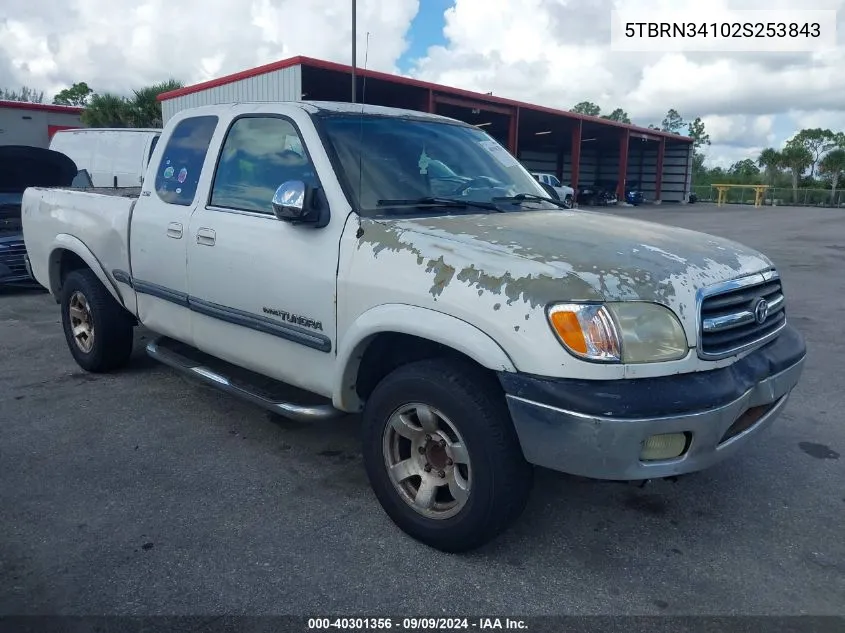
[[435, 202], [521, 197]]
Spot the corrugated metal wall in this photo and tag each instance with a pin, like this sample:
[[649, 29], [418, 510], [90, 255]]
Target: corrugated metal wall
[[541, 162], [677, 172], [31, 127], [279, 85]]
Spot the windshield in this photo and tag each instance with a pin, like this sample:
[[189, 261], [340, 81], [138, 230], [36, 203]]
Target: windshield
[[386, 159]]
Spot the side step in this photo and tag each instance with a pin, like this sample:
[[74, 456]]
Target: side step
[[265, 392]]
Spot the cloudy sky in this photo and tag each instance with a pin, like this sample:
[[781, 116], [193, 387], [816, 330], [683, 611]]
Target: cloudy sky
[[553, 52]]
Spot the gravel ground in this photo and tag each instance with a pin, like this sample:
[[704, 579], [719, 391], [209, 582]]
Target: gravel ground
[[144, 493]]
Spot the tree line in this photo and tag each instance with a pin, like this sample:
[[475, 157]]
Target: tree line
[[105, 109], [814, 158]]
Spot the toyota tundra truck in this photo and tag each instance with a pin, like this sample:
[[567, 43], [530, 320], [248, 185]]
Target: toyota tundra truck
[[308, 258]]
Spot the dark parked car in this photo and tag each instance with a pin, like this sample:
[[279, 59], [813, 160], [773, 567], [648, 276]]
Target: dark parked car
[[600, 194], [21, 167]]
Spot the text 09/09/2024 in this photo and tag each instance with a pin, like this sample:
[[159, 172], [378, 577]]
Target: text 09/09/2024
[[723, 31]]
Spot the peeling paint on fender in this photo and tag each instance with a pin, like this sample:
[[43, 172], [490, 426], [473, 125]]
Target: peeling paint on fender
[[495, 270]]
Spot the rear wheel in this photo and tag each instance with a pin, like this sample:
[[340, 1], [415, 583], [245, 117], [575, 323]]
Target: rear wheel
[[442, 456], [97, 329]]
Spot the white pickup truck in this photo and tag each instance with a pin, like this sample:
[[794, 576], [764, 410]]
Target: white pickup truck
[[293, 254], [564, 192]]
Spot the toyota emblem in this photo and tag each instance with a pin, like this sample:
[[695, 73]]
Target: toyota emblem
[[761, 310]]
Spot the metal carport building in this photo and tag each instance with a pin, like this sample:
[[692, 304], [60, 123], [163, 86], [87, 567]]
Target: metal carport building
[[577, 148]]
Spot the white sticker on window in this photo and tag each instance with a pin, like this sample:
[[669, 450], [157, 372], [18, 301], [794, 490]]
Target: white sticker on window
[[499, 153], [423, 163]]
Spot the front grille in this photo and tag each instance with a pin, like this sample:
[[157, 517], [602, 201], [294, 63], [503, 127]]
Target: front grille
[[730, 320], [14, 256]]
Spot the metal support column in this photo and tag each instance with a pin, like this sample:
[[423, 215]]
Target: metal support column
[[354, 50], [624, 144], [576, 155], [513, 132], [658, 181]]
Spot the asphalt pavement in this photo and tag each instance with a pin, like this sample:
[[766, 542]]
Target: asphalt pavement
[[143, 492]]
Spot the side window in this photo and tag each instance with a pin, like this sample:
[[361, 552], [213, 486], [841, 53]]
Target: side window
[[181, 163], [259, 154], [553, 181], [152, 149]]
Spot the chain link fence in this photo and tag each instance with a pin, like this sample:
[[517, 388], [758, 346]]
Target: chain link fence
[[775, 197]]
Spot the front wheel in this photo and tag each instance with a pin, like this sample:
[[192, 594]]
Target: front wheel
[[567, 201], [98, 330], [442, 455]]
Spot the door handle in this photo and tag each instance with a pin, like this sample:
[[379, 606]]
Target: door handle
[[174, 230], [206, 237]]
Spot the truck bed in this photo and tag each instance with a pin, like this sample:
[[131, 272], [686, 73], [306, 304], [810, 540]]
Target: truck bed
[[94, 219], [122, 192]]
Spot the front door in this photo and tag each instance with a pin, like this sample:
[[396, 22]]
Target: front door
[[159, 230], [263, 290]]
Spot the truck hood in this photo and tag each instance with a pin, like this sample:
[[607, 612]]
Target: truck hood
[[541, 257], [22, 166]]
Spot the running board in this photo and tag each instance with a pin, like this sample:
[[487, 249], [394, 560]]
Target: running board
[[237, 381]]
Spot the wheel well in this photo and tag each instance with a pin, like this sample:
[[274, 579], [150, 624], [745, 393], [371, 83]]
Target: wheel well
[[390, 350], [62, 263]]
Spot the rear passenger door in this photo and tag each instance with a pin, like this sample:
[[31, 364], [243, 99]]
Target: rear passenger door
[[159, 231]]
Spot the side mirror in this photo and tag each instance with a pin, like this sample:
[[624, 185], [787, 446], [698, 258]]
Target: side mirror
[[292, 202]]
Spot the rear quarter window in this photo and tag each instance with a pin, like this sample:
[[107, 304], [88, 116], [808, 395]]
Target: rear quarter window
[[178, 173]]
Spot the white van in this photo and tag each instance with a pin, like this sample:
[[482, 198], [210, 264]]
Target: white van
[[113, 157]]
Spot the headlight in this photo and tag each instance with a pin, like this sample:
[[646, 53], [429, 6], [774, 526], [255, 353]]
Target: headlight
[[628, 331]]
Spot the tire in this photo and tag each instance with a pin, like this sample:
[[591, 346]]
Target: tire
[[86, 302], [470, 410], [568, 202]]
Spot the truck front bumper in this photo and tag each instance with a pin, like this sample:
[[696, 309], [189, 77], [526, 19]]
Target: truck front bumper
[[598, 429]]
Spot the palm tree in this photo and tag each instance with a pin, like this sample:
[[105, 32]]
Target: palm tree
[[145, 107], [142, 110], [797, 159], [833, 166], [771, 161], [107, 110]]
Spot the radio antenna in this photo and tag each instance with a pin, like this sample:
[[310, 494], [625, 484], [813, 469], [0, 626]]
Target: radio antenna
[[354, 51], [361, 131], [366, 58]]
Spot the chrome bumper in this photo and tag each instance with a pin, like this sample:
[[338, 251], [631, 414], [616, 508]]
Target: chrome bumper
[[610, 447]]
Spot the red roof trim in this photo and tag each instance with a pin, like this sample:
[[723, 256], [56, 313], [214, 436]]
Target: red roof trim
[[244, 74], [407, 81], [44, 107]]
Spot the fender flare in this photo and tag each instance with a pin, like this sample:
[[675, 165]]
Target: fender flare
[[432, 325], [65, 242]]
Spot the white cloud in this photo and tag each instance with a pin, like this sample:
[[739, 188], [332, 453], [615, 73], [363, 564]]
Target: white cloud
[[117, 45], [740, 131], [553, 52], [825, 119], [557, 52], [726, 155]]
